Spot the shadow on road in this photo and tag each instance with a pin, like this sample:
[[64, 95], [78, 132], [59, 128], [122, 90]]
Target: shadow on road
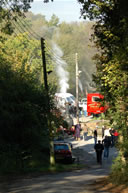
[[71, 182]]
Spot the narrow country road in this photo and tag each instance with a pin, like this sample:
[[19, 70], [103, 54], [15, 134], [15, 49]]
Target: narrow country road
[[67, 182]]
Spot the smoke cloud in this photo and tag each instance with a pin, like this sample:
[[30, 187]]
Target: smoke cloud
[[61, 65]]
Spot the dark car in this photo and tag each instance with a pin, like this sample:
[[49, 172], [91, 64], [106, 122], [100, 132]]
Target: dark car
[[63, 152]]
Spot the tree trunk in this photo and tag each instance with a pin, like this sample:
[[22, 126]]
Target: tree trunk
[[52, 157]]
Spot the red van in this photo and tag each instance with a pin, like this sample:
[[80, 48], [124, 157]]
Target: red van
[[94, 104]]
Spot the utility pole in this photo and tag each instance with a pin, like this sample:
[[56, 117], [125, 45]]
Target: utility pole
[[49, 125], [77, 91], [44, 63]]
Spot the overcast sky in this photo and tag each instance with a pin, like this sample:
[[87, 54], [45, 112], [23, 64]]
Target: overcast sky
[[66, 10]]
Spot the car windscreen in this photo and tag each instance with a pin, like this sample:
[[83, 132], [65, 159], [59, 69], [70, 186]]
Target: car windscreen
[[73, 98], [68, 99], [96, 99], [61, 147]]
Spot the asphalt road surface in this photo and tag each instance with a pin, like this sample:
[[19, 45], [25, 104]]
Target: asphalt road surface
[[67, 182]]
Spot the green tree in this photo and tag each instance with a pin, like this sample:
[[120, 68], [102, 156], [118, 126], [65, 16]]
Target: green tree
[[21, 75], [7, 7], [111, 38], [24, 108], [37, 23], [54, 21]]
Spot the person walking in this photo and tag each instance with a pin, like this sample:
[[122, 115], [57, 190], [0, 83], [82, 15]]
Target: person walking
[[106, 142], [95, 136], [99, 149], [112, 137], [77, 132], [103, 128]]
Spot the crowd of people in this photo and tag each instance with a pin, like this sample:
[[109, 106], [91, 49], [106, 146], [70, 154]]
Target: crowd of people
[[74, 130], [109, 139]]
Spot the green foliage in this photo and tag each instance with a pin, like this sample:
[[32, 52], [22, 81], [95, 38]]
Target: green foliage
[[110, 37], [24, 107], [24, 55], [119, 174], [23, 121], [7, 10], [54, 21]]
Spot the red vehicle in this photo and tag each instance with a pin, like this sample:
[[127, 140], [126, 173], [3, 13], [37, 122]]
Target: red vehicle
[[94, 104], [63, 152]]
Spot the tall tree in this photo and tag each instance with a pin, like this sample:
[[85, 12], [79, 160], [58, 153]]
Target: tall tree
[[7, 7], [111, 38]]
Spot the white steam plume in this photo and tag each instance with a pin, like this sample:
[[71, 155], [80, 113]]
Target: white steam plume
[[61, 65], [80, 86]]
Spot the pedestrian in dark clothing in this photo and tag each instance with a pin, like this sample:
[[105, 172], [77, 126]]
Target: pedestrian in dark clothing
[[77, 133], [95, 136], [112, 137], [103, 128], [99, 149], [106, 142]]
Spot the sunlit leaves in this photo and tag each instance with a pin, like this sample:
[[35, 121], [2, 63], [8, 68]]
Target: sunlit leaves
[[110, 36], [96, 9]]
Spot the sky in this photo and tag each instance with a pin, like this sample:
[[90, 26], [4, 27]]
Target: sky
[[65, 10]]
